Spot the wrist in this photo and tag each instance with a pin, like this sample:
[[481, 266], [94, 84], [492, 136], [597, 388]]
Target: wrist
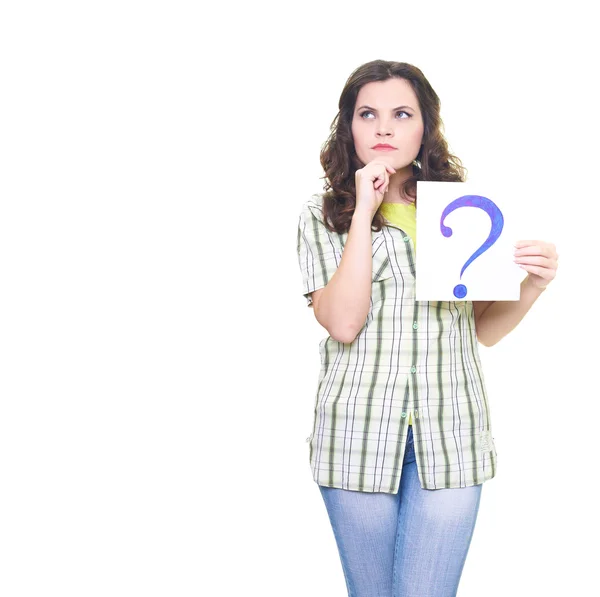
[[362, 214], [529, 283]]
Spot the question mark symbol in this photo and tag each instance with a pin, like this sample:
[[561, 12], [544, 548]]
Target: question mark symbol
[[460, 291]]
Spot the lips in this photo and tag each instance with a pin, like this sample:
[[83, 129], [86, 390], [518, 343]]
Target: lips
[[384, 147]]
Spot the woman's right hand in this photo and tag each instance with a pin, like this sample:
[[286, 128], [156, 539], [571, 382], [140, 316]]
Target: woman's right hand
[[371, 183]]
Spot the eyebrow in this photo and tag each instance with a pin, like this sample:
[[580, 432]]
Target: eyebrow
[[374, 110]]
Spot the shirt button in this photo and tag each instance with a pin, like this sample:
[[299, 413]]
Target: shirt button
[[413, 369], [403, 415], [415, 325], [406, 239]]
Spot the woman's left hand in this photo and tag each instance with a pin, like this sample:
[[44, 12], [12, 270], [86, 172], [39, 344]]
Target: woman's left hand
[[539, 259]]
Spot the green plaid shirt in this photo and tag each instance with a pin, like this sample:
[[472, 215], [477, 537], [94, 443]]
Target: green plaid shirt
[[418, 357]]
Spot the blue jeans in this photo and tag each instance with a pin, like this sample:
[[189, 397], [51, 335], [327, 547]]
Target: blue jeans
[[410, 544]]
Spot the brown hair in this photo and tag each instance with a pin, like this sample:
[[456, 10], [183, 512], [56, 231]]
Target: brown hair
[[339, 159]]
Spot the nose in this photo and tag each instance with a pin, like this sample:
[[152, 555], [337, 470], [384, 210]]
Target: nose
[[384, 128]]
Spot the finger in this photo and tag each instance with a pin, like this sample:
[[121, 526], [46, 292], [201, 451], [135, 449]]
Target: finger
[[545, 248], [525, 243], [537, 260], [531, 250], [543, 251], [386, 166], [542, 272]]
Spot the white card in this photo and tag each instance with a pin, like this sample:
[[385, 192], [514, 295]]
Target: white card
[[465, 227]]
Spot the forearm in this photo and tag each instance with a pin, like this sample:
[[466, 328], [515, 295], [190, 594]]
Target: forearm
[[345, 301], [501, 317]]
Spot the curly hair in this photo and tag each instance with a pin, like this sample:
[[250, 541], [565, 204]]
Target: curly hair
[[338, 155]]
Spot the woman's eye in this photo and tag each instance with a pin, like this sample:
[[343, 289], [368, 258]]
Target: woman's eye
[[399, 112]]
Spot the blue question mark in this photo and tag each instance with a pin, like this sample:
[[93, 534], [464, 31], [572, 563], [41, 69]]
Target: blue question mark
[[460, 291]]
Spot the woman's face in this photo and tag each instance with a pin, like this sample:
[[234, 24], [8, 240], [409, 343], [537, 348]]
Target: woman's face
[[387, 112]]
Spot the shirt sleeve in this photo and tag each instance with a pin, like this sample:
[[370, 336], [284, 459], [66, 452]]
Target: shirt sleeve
[[318, 253]]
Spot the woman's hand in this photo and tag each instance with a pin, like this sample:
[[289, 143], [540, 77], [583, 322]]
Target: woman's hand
[[539, 259], [372, 183]]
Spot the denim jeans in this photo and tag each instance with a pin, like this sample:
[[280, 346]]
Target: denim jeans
[[410, 544]]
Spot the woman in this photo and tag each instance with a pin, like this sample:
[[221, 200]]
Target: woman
[[402, 437]]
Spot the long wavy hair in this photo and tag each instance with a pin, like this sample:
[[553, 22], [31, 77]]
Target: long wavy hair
[[338, 155]]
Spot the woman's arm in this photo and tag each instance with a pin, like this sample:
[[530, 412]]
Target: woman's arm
[[501, 317], [343, 304], [539, 259]]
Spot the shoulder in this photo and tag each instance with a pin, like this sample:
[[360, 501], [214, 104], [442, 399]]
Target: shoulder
[[313, 207]]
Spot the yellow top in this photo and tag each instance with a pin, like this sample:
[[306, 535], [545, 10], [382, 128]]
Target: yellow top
[[403, 215]]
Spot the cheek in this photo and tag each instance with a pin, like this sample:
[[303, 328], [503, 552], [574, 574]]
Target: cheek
[[358, 136], [417, 134]]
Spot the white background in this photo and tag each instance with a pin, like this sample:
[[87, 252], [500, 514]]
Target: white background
[[158, 362]]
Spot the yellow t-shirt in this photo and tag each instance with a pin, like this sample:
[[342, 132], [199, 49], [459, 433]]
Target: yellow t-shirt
[[403, 215]]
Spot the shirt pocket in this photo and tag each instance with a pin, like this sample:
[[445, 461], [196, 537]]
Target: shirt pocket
[[382, 267], [382, 277], [452, 306]]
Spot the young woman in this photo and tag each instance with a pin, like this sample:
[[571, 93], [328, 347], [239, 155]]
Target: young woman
[[402, 436]]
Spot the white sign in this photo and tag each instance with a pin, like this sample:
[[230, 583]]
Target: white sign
[[465, 243]]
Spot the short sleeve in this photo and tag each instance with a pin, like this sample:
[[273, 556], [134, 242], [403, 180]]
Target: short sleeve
[[319, 253]]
